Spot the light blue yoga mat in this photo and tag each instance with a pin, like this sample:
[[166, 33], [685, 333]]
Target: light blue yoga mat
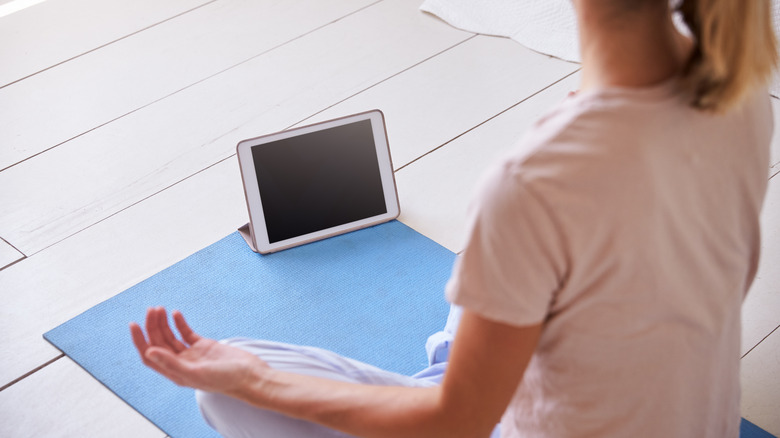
[[374, 295]]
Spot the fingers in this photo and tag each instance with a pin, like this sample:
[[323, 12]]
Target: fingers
[[187, 334], [140, 344], [160, 334], [138, 338], [167, 334], [153, 329], [161, 352]]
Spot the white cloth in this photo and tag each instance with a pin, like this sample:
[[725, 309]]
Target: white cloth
[[628, 223], [545, 26], [233, 418]]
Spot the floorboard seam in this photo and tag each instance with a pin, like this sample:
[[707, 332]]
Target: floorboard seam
[[382, 81], [12, 246], [12, 263], [485, 121], [190, 85], [24, 256], [759, 342], [107, 44], [30, 373], [131, 205]]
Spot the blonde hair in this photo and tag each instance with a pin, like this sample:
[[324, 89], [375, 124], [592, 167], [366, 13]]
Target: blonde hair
[[735, 50]]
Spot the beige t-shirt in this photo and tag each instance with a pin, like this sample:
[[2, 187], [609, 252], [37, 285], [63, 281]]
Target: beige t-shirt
[[628, 223]]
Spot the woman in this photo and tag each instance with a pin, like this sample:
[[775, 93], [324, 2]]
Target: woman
[[604, 272]]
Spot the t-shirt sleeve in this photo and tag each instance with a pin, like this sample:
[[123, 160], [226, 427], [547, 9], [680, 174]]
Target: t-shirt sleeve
[[514, 260]]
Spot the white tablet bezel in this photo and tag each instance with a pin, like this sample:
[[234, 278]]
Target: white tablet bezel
[[257, 236]]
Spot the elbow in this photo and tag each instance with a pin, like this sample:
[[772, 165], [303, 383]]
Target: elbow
[[472, 430], [465, 421]]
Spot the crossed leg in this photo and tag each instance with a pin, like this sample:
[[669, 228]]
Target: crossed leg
[[233, 418]]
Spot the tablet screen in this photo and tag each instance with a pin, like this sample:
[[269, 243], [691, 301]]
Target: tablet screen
[[319, 180]]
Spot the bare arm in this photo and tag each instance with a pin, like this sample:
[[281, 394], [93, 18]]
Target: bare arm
[[486, 365]]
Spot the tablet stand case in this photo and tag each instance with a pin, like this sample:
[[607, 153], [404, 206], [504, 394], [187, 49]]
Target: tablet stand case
[[246, 233]]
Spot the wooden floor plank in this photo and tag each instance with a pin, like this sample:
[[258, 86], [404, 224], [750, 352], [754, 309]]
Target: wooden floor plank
[[140, 154], [96, 88], [761, 310], [51, 32], [760, 372], [63, 400], [435, 190], [458, 90], [8, 254]]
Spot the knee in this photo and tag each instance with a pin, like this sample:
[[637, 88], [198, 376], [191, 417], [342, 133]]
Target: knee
[[228, 416], [233, 418], [211, 406]]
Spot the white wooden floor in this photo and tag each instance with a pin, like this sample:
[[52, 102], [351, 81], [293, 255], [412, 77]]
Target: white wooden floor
[[118, 123]]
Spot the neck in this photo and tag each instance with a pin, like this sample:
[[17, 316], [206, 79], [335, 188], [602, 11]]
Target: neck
[[629, 49]]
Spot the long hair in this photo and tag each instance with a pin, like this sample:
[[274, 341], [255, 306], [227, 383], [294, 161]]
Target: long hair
[[735, 50]]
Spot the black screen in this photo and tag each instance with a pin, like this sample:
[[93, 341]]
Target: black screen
[[319, 180]]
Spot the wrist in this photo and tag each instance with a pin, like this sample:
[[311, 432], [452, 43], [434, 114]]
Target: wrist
[[254, 387]]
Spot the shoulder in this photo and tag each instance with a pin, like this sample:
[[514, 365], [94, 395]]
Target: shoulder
[[583, 138]]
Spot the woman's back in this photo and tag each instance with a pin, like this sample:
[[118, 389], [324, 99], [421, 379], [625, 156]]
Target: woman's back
[[652, 210]]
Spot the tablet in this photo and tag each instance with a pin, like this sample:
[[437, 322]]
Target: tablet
[[317, 181]]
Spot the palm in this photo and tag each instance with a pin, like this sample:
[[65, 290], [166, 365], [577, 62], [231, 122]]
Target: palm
[[203, 364]]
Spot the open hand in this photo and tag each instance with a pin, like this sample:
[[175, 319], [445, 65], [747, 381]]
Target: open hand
[[193, 361]]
